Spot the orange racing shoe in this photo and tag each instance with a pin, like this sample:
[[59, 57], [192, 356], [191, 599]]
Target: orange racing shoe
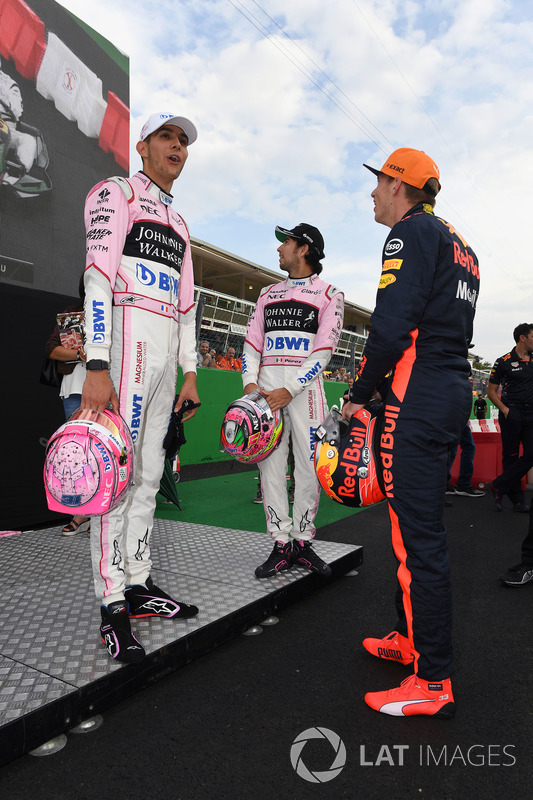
[[393, 647], [415, 696]]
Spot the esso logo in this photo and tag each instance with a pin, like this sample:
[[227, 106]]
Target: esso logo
[[394, 246]]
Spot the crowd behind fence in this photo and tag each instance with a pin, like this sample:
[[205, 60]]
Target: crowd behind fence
[[224, 319]]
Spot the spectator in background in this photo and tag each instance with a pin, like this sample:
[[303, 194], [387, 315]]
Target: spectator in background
[[203, 356], [514, 373], [342, 375], [464, 486], [213, 354], [522, 573], [228, 361], [71, 365], [346, 394], [480, 407]]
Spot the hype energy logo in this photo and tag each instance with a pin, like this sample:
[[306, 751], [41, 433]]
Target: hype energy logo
[[332, 741]]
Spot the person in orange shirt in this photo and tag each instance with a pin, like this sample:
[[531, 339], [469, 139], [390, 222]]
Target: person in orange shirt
[[228, 361]]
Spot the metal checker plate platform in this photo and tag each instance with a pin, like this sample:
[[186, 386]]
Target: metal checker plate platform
[[54, 671]]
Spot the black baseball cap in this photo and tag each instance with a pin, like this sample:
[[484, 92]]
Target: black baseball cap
[[306, 234]]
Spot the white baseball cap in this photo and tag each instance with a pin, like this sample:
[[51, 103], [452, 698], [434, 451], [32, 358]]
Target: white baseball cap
[[155, 121]]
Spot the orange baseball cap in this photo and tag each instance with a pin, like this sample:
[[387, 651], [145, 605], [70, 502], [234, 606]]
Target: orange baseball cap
[[413, 166]]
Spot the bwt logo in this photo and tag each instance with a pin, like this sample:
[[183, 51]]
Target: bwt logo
[[103, 455], [98, 321], [311, 374], [287, 343], [312, 442], [136, 416], [148, 278]]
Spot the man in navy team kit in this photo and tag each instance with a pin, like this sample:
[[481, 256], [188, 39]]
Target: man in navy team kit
[[421, 330]]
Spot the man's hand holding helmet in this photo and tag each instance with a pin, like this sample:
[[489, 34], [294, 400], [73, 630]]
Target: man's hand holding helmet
[[349, 409], [276, 398], [98, 392]]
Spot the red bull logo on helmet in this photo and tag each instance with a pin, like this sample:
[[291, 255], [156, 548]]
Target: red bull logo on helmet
[[344, 459]]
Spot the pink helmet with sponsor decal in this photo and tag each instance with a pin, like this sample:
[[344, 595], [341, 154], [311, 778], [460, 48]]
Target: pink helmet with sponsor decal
[[347, 461], [88, 465], [250, 429]]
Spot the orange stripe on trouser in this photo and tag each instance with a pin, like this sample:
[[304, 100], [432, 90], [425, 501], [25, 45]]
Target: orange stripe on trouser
[[404, 578], [404, 367], [400, 382], [417, 481]]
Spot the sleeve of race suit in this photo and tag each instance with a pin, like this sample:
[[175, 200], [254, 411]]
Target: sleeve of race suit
[[329, 330], [187, 315], [106, 225], [254, 342], [401, 299]]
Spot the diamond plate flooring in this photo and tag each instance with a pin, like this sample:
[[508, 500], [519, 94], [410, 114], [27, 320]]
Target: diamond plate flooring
[[54, 671]]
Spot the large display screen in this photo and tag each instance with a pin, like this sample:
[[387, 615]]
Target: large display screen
[[64, 126]]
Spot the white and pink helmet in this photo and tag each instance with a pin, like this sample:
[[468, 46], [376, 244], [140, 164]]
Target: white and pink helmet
[[250, 429], [88, 466]]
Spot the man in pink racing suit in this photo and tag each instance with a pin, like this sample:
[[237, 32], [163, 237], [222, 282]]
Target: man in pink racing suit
[[140, 322], [291, 337]]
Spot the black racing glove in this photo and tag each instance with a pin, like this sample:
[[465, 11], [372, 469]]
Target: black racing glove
[[175, 436]]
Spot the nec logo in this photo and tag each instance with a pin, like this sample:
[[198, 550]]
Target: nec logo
[[287, 343], [149, 210]]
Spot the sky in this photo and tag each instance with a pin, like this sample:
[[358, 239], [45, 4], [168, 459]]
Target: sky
[[291, 97]]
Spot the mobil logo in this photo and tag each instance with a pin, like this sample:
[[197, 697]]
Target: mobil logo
[[162, 280], [296, 343]]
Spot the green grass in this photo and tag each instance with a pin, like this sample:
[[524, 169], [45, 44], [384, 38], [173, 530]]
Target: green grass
[[226, 502]]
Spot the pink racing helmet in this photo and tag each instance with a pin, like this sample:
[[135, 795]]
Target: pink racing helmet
[[250, 429], [88, 465]]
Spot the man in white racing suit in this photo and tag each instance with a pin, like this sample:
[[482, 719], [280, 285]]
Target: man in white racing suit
[[140, 321], [291, 337]]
